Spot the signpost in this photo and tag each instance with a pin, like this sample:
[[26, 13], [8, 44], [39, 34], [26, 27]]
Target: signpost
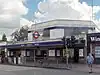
[[67, 56], [66, 50], [36, 35]]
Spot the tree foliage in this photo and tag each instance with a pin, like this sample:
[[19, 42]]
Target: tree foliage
[[4, 38], [21, 34]]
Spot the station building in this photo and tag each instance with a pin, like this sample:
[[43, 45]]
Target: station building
[[93, 45], [50, 44]]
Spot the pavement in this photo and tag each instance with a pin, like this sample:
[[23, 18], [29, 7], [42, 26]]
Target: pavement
[[84, 68], [78, 69], [75, 67]]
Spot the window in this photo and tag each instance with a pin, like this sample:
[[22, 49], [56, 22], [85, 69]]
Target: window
[[81, 52], [97, 51], [58, 52], [28, 53], [51, 52]]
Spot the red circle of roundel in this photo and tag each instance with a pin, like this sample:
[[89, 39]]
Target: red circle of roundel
[[35, 34]]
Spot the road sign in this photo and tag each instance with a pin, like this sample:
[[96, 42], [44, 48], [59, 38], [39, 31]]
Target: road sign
[[36, 34]]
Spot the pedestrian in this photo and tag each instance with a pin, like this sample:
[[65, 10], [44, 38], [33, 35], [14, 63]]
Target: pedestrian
[[90, 60]]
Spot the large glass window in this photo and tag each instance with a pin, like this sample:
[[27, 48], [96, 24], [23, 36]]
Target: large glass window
[[51, 52], [97, 51], [81, 52], [58, 52]]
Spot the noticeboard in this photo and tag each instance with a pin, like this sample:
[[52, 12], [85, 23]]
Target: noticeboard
[[51, 52]]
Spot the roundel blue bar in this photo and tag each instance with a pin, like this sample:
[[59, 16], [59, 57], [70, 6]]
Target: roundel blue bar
[[36, 34]]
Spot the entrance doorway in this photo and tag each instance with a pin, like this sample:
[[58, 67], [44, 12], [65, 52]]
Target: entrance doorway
[[76, 55]]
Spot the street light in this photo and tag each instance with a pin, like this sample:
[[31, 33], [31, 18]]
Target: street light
[[66, 49], [85, 47]]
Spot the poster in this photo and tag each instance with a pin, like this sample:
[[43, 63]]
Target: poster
[[51, 52], [23, 53], [81, 52]]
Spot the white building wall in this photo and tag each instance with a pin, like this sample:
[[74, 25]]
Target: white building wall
[[56, 33], [30, 37], [3, 43], [63, 22]]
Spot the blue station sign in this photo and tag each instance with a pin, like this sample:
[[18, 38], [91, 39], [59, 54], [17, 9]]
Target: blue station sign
[[53, 43]]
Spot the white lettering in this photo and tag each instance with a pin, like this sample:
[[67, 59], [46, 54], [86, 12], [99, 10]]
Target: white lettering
[[22, 45], [95, 38], [36, 44], [98, 39], [92, 38]]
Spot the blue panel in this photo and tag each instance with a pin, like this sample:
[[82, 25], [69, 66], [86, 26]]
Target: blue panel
[[3, 46], [62, 27], [54, 43], [94, 34]]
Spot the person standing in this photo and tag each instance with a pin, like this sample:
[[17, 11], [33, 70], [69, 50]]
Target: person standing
[[90, 60]]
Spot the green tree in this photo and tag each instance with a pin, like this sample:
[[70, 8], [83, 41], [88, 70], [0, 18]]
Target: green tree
[[4, 37]]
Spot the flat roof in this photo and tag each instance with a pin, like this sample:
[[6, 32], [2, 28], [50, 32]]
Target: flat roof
[[64, 23]]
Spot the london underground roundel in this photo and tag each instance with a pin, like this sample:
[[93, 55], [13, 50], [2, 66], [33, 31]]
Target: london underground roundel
[[36, 34]]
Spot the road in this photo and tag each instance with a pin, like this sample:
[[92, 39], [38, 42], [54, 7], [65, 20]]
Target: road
[[19, 70]]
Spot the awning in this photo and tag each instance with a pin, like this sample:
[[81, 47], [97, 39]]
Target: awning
[[34, 44]]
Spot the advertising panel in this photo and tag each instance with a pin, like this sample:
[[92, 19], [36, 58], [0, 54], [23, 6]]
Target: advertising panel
[[51, 52], [97, 52]]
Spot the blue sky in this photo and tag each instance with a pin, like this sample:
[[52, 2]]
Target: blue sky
[[95, 3], [33, 4]]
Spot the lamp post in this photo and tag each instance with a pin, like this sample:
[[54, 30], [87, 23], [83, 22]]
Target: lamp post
[[65, 50], [91, 20], [85, 47], [67, 57]]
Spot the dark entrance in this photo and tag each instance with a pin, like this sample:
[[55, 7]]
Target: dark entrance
[[77, 47], [2, 56], [76, 55]]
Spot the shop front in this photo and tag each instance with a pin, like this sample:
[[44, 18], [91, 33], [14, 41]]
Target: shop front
[[35, 52], [93, 46]]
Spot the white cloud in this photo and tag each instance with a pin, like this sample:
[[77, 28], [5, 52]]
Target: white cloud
[[96, 9], [25, 22], [10, 14], [65, 9]]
